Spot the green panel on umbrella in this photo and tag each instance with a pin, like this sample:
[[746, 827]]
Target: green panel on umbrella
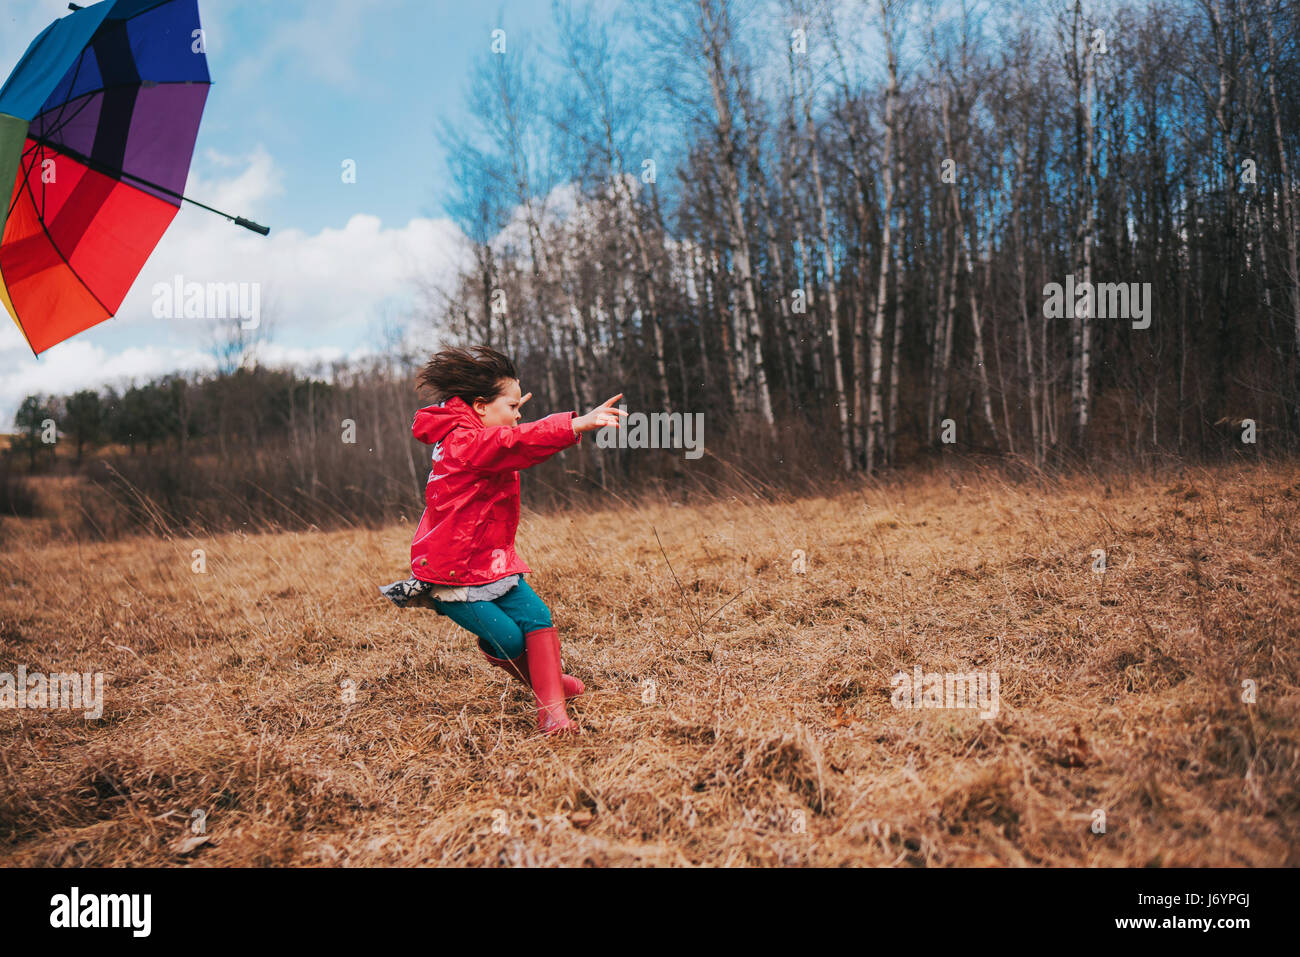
[[13, 132]]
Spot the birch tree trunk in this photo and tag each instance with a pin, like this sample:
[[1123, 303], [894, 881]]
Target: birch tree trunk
[[1022, 290], [875, 423], [1081, 323], [964, 245], [749, 328], [828, 269], [1288, 209], [895, 352]]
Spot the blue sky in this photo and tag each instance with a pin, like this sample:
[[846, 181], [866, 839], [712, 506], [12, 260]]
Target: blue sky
[[318, 82], [298, 87]]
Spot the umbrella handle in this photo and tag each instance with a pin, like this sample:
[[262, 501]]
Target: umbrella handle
[[249, 224]]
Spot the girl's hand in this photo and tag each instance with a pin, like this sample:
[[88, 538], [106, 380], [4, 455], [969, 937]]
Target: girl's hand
[[599, 417]]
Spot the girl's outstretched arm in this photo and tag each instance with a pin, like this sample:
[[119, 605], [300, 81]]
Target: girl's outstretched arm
[[506, 449], [503, 448]]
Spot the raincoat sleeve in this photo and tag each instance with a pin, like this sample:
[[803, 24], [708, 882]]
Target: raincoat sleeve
[[505, 449]]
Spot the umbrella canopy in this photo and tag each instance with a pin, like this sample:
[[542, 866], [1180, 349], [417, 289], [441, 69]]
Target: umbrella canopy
[[97, 130]]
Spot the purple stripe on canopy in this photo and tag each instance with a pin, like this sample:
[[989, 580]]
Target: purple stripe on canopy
[[160, 137], [76, 128], [163, 130]]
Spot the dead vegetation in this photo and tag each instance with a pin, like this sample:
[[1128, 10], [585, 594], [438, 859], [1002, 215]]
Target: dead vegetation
[[738, 709]]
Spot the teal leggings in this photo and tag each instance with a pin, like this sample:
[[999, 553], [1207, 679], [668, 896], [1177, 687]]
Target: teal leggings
[[500, 624]]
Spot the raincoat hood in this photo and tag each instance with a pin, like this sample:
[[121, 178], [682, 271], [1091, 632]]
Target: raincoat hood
[[432, 424]]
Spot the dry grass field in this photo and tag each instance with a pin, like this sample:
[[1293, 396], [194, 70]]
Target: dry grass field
[[739, 706]]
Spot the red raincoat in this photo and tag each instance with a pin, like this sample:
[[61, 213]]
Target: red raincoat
[[466, 535]]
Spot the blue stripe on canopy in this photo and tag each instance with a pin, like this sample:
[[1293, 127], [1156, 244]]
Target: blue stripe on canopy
[[49, 74], [125, 9], [48, 59], [162, 44]]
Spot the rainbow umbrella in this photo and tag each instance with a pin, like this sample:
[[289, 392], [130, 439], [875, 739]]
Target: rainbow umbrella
[[97, 130]]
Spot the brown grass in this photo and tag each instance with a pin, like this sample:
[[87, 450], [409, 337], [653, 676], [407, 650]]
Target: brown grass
[[770, 740]]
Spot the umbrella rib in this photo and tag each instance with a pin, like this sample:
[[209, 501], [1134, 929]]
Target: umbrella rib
[[138, 13], [58, 127], [118, 174], [108, 313], [143, 84], [109, 171], [146, 85], [41, 143], [153, 6], [26, 173], [75, 73], [60, 123]]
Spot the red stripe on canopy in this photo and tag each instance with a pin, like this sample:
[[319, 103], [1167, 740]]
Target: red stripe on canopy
[[101, 231]]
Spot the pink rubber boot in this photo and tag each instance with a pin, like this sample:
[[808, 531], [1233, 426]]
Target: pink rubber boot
[[518, 667], [543, 651]]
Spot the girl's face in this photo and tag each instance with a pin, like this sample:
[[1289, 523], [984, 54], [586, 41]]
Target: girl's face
[[504, 409]]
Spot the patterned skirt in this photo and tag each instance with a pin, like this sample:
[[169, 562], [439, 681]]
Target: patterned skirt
[[414, 593]]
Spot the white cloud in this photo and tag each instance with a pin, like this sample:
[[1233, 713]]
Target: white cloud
[[327, 284], [78, 364]]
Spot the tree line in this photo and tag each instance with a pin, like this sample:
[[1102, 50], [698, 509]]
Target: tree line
[[878, 221], [254, 446], [259, 447]]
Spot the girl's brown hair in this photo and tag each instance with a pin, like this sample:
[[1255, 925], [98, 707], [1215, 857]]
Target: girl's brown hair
[[475, 373]]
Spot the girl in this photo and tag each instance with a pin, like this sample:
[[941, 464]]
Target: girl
[[463, 553]]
